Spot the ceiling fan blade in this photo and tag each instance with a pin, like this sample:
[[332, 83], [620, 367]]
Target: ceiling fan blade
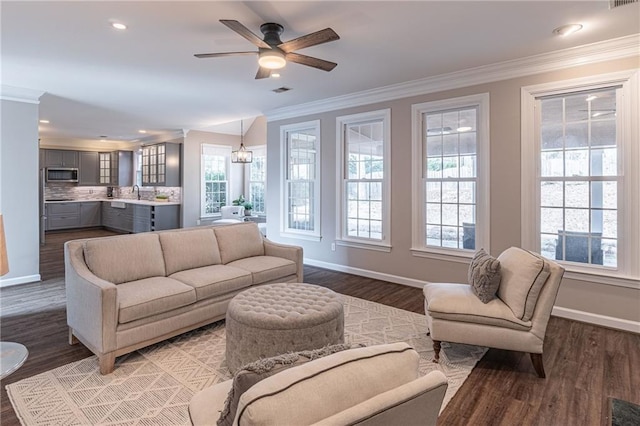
[[263, 73], [310, 61], [319, 37], [217, 55], [245, 32]]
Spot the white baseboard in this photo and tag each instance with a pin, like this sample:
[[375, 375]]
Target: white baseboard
[[558, 311], [19, 280], [366, 273], [597, 319]]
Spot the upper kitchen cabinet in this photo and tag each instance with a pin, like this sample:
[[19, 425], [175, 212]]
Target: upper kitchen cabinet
[[60, 158], [161, 164], [115, 168], [88, 170]]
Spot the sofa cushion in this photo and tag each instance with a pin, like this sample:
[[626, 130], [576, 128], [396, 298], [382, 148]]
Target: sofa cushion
[[151, 296], [239, 241], [252, 373], [266, 268], [125, 258], [456, 302], [523, 275], [214, 280], [188, 249], [484, 275], [339, 381]]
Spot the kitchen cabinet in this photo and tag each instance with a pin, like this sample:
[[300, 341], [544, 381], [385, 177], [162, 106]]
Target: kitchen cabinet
[[136, 218], [63, 216], [60, 158], [88, 168], [90, 213], [161, 164], [122, 168]]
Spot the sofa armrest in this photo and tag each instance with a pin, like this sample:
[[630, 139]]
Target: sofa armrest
[[292, 253], [92, 303]]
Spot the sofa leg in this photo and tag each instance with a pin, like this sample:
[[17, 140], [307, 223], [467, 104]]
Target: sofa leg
[[107, 362], [73, 340], [536, 359], [436, 351]]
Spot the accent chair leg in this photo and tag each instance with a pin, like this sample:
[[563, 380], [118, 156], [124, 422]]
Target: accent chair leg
[[107, 362], [536, 359], [73, 340], [436, 351]]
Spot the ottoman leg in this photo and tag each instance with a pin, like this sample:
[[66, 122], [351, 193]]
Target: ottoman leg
[[436, 351]]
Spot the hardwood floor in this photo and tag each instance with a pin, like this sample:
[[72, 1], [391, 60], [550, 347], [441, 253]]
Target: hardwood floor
[[585, 364]]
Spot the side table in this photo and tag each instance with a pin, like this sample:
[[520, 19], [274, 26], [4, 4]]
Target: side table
[[12, 356]]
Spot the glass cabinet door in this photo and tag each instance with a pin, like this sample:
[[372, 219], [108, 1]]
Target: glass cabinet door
[[105, 167]]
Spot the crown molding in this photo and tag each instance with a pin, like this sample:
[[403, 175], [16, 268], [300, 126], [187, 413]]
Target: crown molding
[[608, 50], [20, 94]]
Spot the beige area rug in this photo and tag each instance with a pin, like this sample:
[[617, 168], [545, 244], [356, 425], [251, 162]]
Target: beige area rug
[[153, 386]]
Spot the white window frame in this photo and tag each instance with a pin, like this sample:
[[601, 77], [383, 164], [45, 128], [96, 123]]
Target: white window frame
[[342, 238], [418, 215], [285, 231], [227, 153], [258, 151], [627, 273]]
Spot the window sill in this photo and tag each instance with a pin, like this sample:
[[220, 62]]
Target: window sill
[[448, 255], [297, 236], [599, 277], [365, 245]]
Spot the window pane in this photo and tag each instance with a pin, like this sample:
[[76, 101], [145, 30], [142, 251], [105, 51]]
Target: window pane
[[450, 192], [434, 192], [552, 163], [450, 167], [604, 195], [576, 135], [577, 194], [434, 167], [551, 136], [577, 163], [603, 133], [551, 220], [450, 214], [467, 192], [577, 220], [433, 213], [551, 194]]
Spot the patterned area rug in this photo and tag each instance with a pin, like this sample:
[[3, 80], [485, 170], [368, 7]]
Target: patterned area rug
[[154, 385]]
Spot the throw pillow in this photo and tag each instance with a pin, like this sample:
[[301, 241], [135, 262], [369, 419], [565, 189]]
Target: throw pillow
[[484, 276], [252, 373]]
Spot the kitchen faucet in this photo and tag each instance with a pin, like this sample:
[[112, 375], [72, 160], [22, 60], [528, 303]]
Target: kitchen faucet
[[134, 188]]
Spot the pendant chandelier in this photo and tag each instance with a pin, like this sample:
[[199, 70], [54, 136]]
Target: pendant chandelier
[[242, 155]]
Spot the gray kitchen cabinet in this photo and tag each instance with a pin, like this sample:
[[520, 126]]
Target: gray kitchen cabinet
[[60, 158], [122, 168], [90, 213], [142, 218], [105, 169], [63, 216], [118, 216], [88, 173], [165, 217], [161, 164]]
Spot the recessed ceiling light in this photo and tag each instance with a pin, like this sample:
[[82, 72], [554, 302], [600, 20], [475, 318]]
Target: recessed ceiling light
[[568, 29], [118, 26], [275, 75], [142, 131], [44, 121]]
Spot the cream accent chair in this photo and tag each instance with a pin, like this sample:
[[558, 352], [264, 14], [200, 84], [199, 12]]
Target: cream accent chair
[[374, 386], [230, 214], [516, 320]]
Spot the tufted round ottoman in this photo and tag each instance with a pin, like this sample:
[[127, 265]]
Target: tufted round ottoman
[[274, 319]]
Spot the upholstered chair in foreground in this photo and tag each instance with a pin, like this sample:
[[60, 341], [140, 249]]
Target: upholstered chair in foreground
[[516, 319], [371, 386]]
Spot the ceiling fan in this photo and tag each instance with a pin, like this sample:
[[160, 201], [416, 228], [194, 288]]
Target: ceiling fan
[[272, 53]]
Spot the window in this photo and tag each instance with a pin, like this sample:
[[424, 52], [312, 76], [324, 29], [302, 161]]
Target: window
[[215, 179], [451, 176], [256, 171], [364, 179], [300, 145], [580, 193]]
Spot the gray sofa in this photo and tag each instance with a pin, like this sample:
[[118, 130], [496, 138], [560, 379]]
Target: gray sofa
[[130, 291]]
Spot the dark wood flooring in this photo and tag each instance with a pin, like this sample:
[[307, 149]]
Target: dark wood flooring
[[585, 364]]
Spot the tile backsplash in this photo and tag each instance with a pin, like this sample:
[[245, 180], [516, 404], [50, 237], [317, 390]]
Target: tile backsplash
[[75, 192]]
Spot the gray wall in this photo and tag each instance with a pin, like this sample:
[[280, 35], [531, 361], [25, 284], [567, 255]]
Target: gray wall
[[18, 200], [588, 297]]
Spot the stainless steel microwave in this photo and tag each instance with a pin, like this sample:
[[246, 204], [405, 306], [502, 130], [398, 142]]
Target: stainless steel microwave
[[62, 174]]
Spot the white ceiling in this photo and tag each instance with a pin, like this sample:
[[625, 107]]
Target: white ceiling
[[100, 81]]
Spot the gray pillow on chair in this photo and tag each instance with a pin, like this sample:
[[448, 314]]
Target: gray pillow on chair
[[484, 276]]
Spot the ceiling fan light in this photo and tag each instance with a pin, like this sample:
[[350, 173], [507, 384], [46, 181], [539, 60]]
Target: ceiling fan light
[[271, 59]]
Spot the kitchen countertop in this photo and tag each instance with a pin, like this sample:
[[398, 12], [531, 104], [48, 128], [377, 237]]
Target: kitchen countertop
[[122, 200]]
